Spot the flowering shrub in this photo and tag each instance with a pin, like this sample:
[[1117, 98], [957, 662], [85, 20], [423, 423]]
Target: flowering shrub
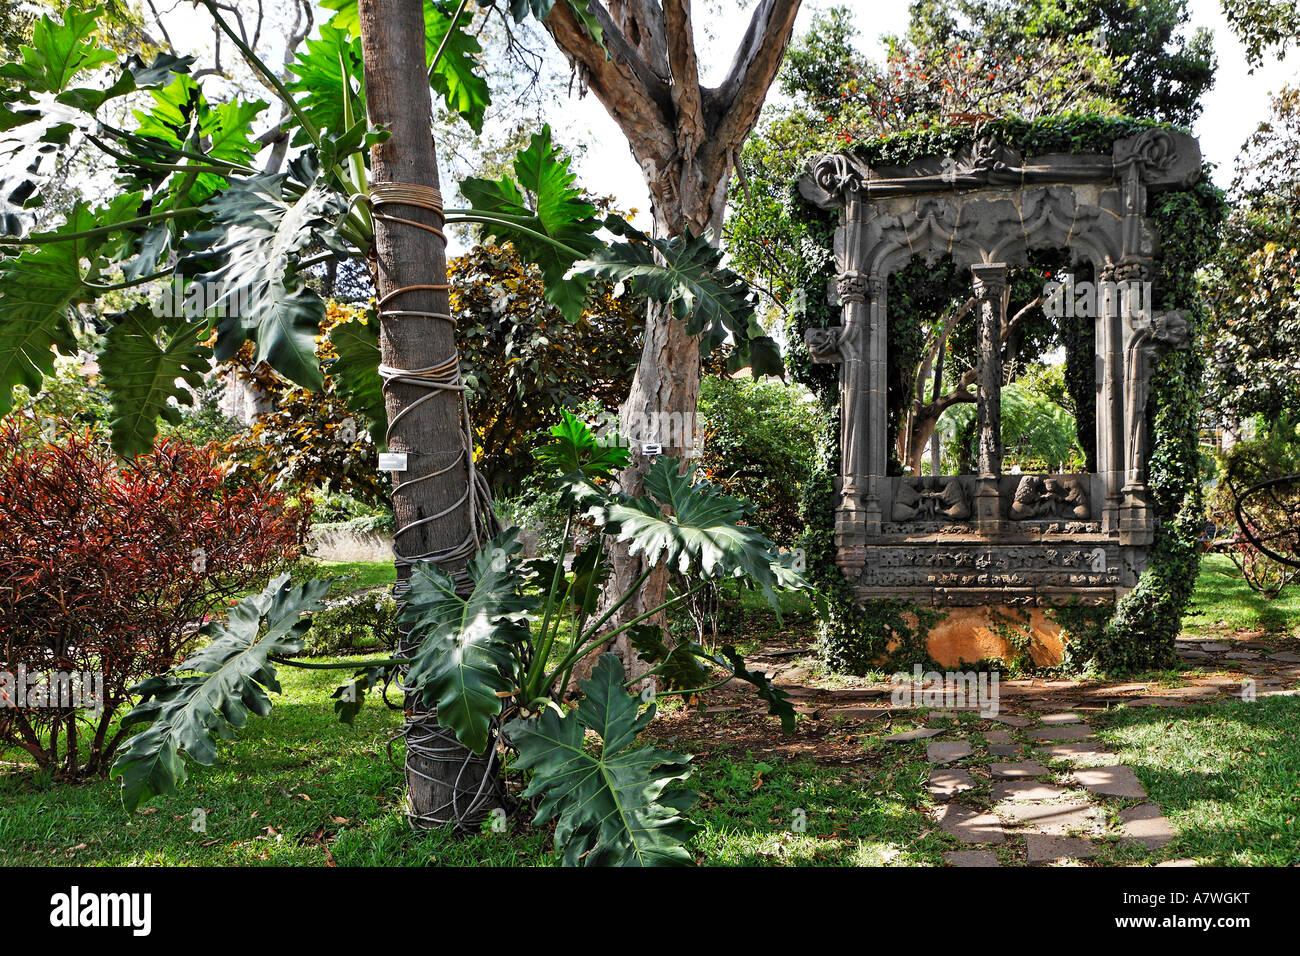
[[108, 568]]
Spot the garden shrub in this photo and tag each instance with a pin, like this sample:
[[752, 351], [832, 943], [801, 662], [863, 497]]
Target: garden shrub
[[759, 443], [110, 568], [360, 622]]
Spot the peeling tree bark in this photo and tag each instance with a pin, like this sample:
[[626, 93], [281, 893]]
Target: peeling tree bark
[[685, 139]]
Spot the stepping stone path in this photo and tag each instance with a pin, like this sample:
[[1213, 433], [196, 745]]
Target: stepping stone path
[[946, 783], [1068, 732], [971, 858], [1029, 804], [1112, 782], [946, 751], [1041, 848], [1056, 720], [1016, 771], [918, 734], [969, 825], [1145, 824], [1027, 790]]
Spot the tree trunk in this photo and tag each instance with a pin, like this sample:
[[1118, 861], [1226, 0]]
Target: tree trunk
[[442, 777], [685, 139]]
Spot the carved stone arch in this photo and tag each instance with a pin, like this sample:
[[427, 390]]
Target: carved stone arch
[[989, 208]]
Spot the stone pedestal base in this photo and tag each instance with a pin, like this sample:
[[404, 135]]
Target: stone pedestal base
[[988, 506], [1136, 525], [984, 632]]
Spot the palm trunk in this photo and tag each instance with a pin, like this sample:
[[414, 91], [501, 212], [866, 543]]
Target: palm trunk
[[445, 782]]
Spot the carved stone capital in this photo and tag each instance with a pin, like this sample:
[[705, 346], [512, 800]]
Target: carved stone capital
[[990, 279], [1164, 157], [851, 287]]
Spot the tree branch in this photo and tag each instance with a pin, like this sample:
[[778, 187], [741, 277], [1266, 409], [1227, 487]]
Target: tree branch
[[736, 103], [634, 95], [680, 36]]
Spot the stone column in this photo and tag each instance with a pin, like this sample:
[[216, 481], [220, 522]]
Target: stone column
[[1109, 343], [990, 282], [877, 403]]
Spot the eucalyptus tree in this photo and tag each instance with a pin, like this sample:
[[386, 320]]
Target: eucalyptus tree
[[641, 60]]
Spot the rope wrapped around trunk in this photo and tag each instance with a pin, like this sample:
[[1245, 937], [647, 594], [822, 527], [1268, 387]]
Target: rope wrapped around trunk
[[477, 786]]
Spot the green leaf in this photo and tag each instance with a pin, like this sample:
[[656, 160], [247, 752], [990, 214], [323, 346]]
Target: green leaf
[[702, 533], [468, 645], [578, 450], [458, 76], [683, 666], [254, 246], [58, 52], [327, 70], [37, 290], [356, 373], [685, 273], [350, 697], [142, 363], [212, 692], [778, 701], [616, 804], [551, 224]]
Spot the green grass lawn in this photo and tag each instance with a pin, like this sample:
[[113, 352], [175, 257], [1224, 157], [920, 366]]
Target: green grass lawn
[[1223, 603], [300, 788], [1226, 775]]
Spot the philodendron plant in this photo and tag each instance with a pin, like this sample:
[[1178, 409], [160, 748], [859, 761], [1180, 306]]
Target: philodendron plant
[[495, 655]]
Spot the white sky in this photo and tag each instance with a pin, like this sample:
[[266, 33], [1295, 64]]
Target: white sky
[[1233, 107]]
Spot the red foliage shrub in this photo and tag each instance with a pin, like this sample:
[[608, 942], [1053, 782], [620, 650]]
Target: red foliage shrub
[[110, 568]]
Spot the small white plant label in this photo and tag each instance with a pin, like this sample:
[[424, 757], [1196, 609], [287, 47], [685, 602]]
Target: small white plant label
[[392, 461]]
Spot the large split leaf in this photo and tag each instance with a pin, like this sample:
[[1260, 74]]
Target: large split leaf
[[144, 361], [546, 218], [356, 373], [327, 74], [457, 77], [701, 534], [686, 665], [37, 290], [614, 804], [685, 273], [212, 693], [580, 457], [469, 645], [58, 52], [253, 249]]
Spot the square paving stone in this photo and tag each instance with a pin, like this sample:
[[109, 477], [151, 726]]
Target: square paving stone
[[1057, 720], [1079, 752], [1055, 818], [1027, 790], [1145, 824], [1214, 646], [1041, 849], [946, 751], [946, 783], [997, 736], [1017, 771], [1005, 750], [919, 734], [1116, 781], [1286, 657], [1011, 720], [969, 826], [971, 858], [1068, 732]]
